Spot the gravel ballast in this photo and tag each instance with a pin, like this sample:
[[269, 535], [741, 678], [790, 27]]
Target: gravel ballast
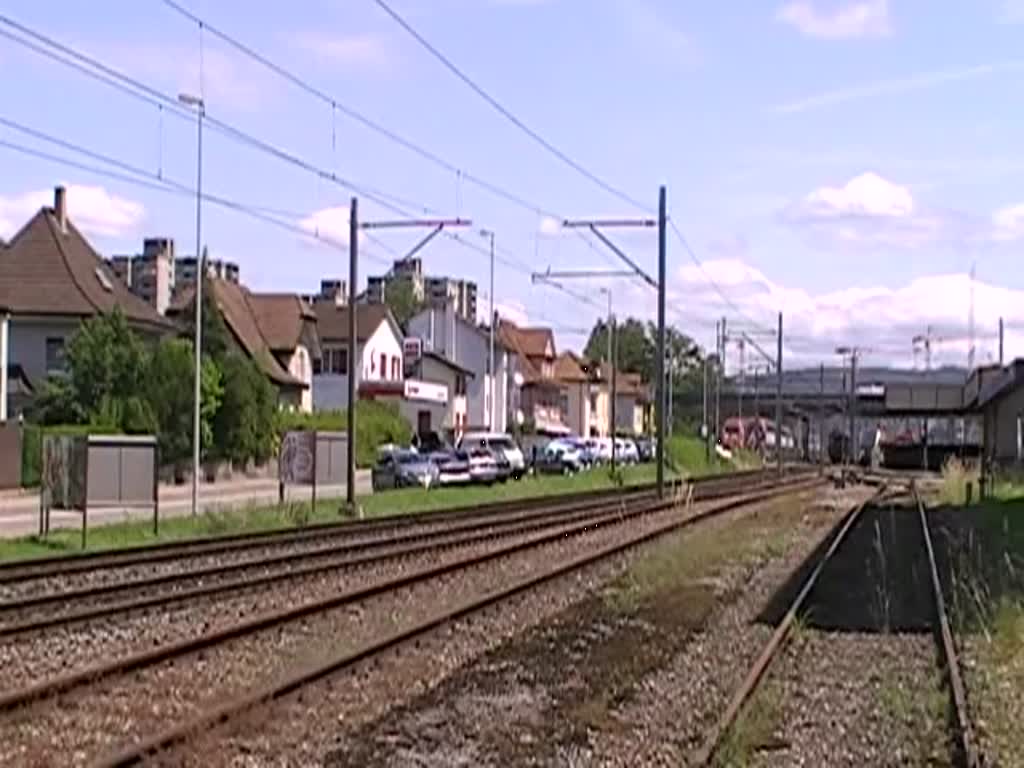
[[83, 724]]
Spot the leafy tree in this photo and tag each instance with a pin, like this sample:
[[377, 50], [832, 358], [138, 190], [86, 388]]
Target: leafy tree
[[106, 365], [243, 428], [402, 301], [169, 390], [216, 341]]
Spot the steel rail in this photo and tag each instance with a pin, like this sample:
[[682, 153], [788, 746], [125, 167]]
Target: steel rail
[[497, 530], [60, 565], [962, 721], [105, 669], [741, 695], [137, 753], [334, 558]]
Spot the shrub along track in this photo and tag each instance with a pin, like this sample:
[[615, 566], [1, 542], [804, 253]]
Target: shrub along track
[[849, 677], [101, 706]]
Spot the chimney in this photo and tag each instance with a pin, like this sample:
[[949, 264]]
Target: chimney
[[60, 208]]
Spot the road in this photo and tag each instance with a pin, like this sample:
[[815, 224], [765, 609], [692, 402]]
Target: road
[[19, 515]]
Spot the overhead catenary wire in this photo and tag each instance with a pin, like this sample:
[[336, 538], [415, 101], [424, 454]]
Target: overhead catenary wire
[[133, 87]]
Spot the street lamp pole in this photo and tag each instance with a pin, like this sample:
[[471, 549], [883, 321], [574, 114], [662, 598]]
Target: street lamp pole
[[491, 408], [200, 107]]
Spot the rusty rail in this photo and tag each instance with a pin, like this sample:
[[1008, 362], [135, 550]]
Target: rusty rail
[[60, 565], [137, 753], [62, 683], [961, 720], [753, 678]]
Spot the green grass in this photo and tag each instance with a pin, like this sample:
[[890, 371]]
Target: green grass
[[137, 532], [684, 452]]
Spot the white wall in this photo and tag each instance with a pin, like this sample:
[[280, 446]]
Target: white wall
[[28, 343], [467, 346], [301, 367], [330, 391]]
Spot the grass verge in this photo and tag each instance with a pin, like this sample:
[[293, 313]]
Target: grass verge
[[139, 531]]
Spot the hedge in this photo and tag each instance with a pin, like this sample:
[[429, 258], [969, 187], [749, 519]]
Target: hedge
[[376, 424]]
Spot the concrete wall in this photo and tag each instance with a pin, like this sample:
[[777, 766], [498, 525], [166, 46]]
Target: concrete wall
[[301, 367]]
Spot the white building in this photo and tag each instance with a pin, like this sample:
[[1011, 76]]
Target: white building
[[379, 366], [445, 332]]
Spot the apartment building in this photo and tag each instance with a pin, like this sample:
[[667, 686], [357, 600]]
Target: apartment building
[[151, 274], [433, 291]]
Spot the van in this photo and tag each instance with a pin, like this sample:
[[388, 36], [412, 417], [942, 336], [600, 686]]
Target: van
[[499, 443]]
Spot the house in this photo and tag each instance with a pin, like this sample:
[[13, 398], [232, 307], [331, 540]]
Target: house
[[277, 331], [444, 331], [632, 405], [51, 279], [998, 393], [434, 368], [541, 396], [379, 366]]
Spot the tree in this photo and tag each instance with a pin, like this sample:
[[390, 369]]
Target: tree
[[634, 348], [170, 393], [106, 365], [216, 341], [402, 301], [243, 428]]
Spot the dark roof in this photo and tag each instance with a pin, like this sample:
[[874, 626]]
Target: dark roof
[[332, 320], [236, 307], [568, 367], [280, 317], [532, 342], [1003, 384], [438, 357], [44, 271]]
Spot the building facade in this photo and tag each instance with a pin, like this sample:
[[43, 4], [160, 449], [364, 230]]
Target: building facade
[[151, 274], [436, 292], [446, 332]]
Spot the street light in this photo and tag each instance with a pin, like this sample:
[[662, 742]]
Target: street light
[[491, 408], [197, 103]]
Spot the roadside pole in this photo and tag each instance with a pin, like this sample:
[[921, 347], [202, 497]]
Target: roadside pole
[[778, 399], [661, 342], [353, 274]]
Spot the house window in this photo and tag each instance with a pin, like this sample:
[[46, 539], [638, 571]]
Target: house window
[[593, 401], [55, 360], [383, 365], [460, 384], [564, 404], [396, 368], [334, 362], [548, 370]]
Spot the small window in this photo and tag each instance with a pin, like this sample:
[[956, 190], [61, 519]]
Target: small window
[[383, 365], [55, 357], [396, 368], [460, 384], [335, 362], [103, 279]]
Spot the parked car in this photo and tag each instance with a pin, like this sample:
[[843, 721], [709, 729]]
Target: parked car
[[452, 467], [626, 451], [403, 468], [503, 465], [482, 466], [601, 448], [646, 448], [559, 457], [588, 455], [499, 443]]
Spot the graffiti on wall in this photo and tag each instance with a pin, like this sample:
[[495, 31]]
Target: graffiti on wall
[[63, 476], [295, 462]]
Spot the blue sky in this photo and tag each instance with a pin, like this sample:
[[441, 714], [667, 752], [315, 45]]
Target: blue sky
[[843, 161]]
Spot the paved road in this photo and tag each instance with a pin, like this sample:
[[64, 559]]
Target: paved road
[[19, 515]]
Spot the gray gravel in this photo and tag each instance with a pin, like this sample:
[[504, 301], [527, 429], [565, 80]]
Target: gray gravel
[[298, 731], [83, 724]]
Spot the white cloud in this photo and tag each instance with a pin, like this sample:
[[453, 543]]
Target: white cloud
[[92, 209], [848, 21], [328, 224], [513, 311], [350, 51], [911, 83], [550, 227], [1008, 223], [1011, 12], [883, 319], [868, 209]]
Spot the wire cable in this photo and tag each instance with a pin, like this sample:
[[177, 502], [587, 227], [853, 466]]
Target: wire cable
[[504, 112]]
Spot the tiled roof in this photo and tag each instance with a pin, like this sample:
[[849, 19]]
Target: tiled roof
[[332, 320], [280, 317], [568, 368], [44, 271], [532, 342], [234, 302]]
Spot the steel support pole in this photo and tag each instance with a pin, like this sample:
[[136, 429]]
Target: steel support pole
[[718, 379], [778, 399], [492, 402], [821, 421], [200, 274], [353, 274], [704, 417], [660, 405], [854, 442], [614, 394], [608, 357]]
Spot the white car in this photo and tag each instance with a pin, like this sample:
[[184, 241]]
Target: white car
[[499, 443], [482, 466], [626, 451]]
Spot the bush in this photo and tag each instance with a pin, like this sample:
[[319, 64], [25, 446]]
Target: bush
[[243, 428], [376, 424]]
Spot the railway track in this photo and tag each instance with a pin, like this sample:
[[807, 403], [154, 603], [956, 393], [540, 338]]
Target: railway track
[[961, 741], [20, 580], [64, 607], [624, 528]]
